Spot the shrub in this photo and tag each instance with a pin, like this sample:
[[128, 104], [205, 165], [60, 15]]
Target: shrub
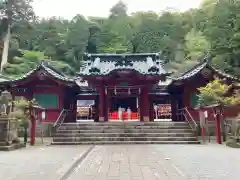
[[215, 92]]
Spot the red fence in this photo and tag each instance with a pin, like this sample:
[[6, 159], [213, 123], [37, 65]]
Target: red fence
[[228, 112], [114, 116]]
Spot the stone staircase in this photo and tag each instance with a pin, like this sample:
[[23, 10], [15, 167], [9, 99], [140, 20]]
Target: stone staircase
[[124, 133]]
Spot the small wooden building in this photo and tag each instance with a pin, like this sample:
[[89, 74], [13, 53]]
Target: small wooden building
[[53, 90], [198, 76]]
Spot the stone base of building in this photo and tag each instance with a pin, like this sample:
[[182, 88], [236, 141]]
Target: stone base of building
[[146, 118], [101, 119], [11, 147]]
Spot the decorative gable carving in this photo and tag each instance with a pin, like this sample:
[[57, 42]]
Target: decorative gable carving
[[41, 74], [94, 70], [124, 62], [153, 69]]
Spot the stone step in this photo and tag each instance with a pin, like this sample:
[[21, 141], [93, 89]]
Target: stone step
[[187, 130], [76, 134], [124, 142], [126, 122], [80, 139], [120, 127], [125, 133]]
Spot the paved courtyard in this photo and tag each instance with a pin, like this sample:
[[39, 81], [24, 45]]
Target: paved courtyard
[[38, 163], [122, 162]]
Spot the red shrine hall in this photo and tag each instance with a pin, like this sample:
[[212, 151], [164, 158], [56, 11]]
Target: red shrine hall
[[115, 87]]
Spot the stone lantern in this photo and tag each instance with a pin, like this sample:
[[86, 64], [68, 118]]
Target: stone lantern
[[8, 125], [5, 102]]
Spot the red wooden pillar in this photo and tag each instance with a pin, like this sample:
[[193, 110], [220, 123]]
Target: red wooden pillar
[[218, 128], [140, 106], [145, 104], [151, 110], [106, 105], [96, 115], [101, 104]]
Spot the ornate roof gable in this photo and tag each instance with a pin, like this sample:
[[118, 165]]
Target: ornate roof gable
[[104, 64], [204, 67]]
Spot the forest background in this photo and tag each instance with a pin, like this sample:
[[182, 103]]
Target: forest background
[[182, 38]]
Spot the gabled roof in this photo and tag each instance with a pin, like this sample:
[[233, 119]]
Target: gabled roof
[[47, 68], [206, 63], [105, 64], [3, 78]]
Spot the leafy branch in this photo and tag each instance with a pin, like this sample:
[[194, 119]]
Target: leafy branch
[[216, 92]]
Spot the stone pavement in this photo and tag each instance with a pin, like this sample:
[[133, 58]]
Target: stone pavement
[[126, 162], [204, 162], [38, 163], [163, 162], [122, 162]]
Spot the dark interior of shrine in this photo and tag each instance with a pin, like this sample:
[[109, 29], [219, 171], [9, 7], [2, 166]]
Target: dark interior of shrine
[[161, 101], [125, 102]]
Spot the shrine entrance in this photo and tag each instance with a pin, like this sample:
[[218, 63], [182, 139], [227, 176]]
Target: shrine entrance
[[125, 103], [128, 107]]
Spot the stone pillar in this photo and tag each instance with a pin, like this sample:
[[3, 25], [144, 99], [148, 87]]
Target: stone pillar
[[145, 104], [101, 104]]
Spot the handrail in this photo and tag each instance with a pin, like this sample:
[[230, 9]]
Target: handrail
[[60, 118], [185, 112]]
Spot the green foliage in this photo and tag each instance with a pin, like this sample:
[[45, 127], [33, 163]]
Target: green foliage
[[28, 60], [118, 10], [196, 45], [215, 93], [214, 28], [22, 111]]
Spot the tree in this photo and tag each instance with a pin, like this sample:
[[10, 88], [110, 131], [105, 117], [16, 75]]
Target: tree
[[14, 11], [215, 92], [77, 41], [196, 45], [213, 27], [118, 10], [221, 29], [28, 60], [22, 114]]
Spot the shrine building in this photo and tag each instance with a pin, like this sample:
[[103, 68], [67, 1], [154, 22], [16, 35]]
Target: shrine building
[[115, 87]]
